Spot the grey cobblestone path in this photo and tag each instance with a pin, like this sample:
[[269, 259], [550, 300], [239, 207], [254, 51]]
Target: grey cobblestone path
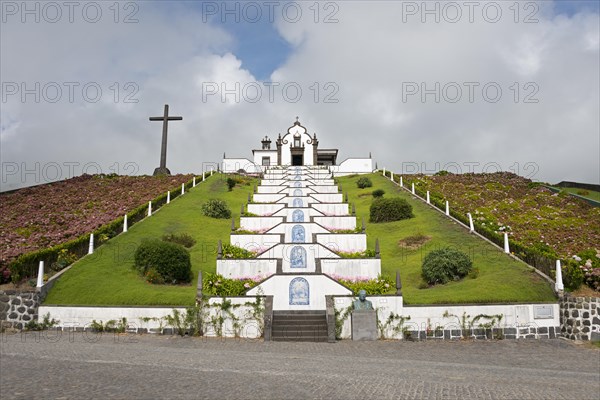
[[149, 367]]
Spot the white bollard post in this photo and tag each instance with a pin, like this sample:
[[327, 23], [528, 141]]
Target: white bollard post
[[471, 226], [447, 208], [168, 197], [125, 223], [401, 183], [558, 286], [182, 188], [91, 248], [194, 182], [428, 200], [413, 188], [203, 176], [506, 246], [392, 176], [211, 171], [383, 171], [150, 208], [40, 277]]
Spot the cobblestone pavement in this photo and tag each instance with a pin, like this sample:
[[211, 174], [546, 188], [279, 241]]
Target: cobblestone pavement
[[146, 366]]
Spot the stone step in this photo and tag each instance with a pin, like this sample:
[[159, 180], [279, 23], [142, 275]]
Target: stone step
[[305, 325]]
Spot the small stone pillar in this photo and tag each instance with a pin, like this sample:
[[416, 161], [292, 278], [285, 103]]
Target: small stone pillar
[[194, 182], [471, 226], [182, 188], [428, 199], [91, 246], [401, 182], [40, 277], [447, 208], [168, 197], [559, 286], [125, 223], [150, 208], [506, 245], [412, 189]]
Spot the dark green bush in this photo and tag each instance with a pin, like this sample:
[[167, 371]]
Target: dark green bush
[[378, 193], [183, 239], [364, 182], [230, 183], [573, 276], [444, 265], [169, 260], [215, 208], [392, 209]]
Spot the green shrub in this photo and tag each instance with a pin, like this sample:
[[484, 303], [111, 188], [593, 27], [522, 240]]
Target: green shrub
[[169, 260], [217, 285], [230, 183], [183, 239], [380, 285], [235, 252], [573, 276], [391, 209], [364, 182], [216, 208], [444, 265], [378, 193]]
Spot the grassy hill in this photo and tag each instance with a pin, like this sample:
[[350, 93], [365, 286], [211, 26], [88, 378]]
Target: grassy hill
[[107, 277]]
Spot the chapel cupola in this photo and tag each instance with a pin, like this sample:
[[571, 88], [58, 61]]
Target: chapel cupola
[[266, 143]]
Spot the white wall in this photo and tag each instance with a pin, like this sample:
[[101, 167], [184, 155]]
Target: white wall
[[264, 209], [350, 267], [319, 286], [324, 188], [259, 223], [353, 166], [267, 197], [308, 212], [332, 209], [513, 315], [336, 222], [309, 230], [270, 189], [258, 243], [312, 250], [259, 154], [351, 242], [328, 197], [246, 268]]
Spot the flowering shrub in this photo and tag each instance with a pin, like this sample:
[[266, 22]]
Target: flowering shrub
[[590, 268], [218, 285], [355, 254], [40, 221], [235, 252], [380, 285]]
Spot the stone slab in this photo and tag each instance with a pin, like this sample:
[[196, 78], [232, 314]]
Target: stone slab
[[364, 325]]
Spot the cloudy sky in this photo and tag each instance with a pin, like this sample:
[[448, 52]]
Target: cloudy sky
[[477, 86]]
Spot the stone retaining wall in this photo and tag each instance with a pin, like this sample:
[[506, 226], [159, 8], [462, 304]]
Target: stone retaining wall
[[580, 317], [17, 308]]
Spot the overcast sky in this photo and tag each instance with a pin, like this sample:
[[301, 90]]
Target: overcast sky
[[461, 86]]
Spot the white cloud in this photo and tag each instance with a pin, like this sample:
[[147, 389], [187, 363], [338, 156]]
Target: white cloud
[[369, 56]]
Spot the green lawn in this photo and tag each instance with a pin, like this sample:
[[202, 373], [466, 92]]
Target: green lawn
[[591, 194], [107, 276], [501, 278]]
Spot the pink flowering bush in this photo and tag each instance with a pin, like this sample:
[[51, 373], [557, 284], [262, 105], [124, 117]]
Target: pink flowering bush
[[218, 285], [380, 285]]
